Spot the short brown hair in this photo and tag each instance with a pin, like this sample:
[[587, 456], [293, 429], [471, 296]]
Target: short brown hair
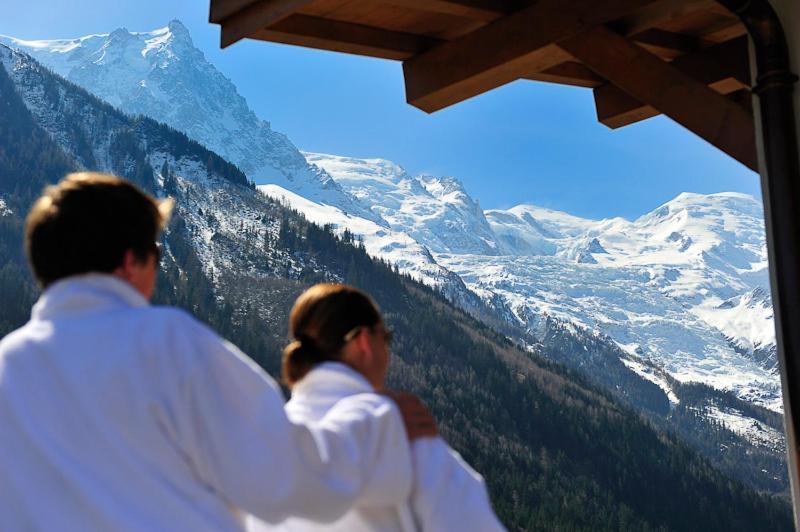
[[87, 222], [320, 320]]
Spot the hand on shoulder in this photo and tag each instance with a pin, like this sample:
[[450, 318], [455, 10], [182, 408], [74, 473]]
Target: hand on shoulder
[[418, 420]]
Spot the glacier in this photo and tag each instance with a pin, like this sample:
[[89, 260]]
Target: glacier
[[675, 287]]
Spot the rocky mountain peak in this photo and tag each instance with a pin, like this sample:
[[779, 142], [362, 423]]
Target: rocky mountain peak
[[161, 74], [177, 29]]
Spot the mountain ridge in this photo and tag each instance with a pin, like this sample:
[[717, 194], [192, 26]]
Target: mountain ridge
[[162, 74]]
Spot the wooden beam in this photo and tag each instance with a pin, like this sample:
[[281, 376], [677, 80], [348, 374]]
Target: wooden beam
[[569, 73], [326, 34], [661, 85], [668, 45], [618, 109], [505, 50], [723, 67], [743, 97], [641, 27], [255, 16], [483, 10]]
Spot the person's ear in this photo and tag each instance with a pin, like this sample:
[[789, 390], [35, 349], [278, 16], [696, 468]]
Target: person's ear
[[129, 263], [364, 344]]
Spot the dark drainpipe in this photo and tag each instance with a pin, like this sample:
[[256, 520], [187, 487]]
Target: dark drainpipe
[[780, 185]]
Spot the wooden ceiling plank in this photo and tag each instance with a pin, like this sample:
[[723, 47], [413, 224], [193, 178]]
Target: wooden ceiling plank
[[389, 16], [723, 67], [697, 22], [222, 9], [483, 10], [729, 59], [257, 16], [503, 51], [725, 30], [722, 122], [326, 34], [653, 15]]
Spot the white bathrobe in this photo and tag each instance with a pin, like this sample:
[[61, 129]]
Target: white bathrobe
[[116, 415], [447, 494]]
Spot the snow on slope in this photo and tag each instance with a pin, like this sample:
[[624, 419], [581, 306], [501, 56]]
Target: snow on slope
[[753, 430], [657, 285], [651, 375], [625, 304], [748, 321], [724, 231], [4, 209], [437, 212], [162, 75], [532, 230], [685, 285], [398, 248], [410, 257], [702, 250]]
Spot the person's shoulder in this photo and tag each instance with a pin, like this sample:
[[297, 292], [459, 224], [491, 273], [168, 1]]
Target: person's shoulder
[[369, 405], [176, 331], [20, 339], [207, 347], [176, 320], [371, 400], [166, 312]]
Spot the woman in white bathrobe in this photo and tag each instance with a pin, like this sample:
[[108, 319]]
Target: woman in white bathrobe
[[341, 350]]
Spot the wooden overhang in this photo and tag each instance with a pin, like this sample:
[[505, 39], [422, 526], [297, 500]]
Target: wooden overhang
[[686, 59]]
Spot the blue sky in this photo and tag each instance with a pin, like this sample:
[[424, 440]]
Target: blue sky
[[523, 143]]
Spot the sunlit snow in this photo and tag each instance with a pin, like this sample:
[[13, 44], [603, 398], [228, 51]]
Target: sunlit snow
[[752, 429], [650, 374]]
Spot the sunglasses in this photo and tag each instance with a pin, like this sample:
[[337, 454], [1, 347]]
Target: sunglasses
[[388, 334]]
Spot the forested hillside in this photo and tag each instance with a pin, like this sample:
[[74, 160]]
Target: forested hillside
[[557, 452]]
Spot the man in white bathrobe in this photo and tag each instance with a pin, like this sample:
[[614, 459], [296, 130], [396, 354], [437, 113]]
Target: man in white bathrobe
[[116, 415]]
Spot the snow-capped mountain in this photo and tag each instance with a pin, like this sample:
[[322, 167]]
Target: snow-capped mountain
[[671, 287], [532, 230], [703, 251], [161, 74], [684, 287], [434, 211], [395, 246]]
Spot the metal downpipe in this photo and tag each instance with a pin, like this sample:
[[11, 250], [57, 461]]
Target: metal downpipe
[[780, 185]]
